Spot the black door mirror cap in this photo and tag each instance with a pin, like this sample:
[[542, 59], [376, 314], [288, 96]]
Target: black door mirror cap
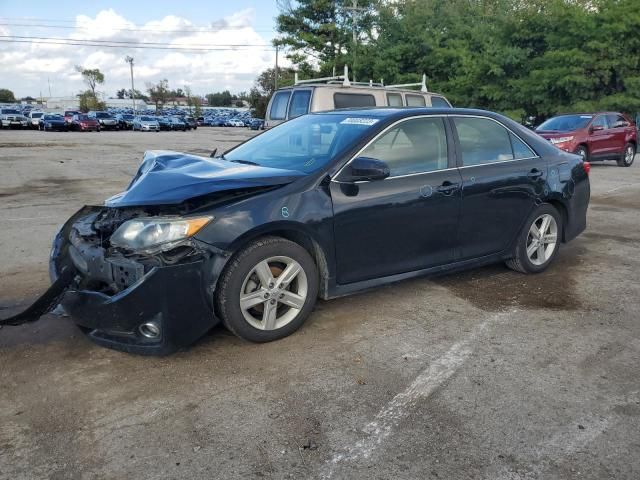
[[367, 169]]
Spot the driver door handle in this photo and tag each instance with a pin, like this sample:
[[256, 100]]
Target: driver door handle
[[447, 187]]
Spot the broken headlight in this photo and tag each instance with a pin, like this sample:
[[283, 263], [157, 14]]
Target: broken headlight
[[158, 234]]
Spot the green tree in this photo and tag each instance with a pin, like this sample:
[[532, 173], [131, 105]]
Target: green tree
[[220, 99], [6, 95], [92, 77], [88, 101], [158, 92], [323, 30]]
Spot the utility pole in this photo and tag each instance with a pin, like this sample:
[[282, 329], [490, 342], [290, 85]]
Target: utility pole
[[355, 11], [49, 83], [129, 60], [275, 83]]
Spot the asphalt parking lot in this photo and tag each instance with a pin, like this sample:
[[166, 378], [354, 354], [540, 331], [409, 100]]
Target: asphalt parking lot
[[488, 374]]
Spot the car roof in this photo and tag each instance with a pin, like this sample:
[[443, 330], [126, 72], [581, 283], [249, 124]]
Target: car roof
[[388, 112], [586, 113]]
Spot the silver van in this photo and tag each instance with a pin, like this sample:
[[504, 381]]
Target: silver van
[[331, 93]]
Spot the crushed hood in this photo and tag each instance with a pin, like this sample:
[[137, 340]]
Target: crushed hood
[[166, 177]]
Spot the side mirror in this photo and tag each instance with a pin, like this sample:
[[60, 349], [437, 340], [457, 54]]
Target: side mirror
[[365, 168]]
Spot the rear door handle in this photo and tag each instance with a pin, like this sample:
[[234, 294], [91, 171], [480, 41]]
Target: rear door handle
[[535, 173], [447, 187]]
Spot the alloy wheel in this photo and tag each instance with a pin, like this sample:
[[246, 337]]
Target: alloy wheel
[[542, 239], [273, 293], [629, 153]]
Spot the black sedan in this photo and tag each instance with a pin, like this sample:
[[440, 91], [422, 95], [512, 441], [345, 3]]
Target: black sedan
[[54, 122], [125, 121], [324, 205], [165, 123]]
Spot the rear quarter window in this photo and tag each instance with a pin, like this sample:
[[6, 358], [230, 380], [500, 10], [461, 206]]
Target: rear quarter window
[[415, 100], [351, 100], [439, 102], [278, 110]]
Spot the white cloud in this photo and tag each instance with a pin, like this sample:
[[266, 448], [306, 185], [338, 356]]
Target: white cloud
[[27, 67]]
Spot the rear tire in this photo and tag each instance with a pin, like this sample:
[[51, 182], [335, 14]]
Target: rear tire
[[538, 241], [628, 155], [583, 152], [267, 290]]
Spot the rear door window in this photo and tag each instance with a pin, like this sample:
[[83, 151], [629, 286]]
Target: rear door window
[[278, 109], [520, 149], [600, 121], [394, 99], [299, 103], [439, 102], [482, 141], [351, 100], [415, 100]]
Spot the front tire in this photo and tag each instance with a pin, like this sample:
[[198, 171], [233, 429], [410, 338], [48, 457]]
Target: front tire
[[628, 155], [538, 242], [267, 290]]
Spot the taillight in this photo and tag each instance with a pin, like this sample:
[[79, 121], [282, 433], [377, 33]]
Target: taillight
[[587, 167]]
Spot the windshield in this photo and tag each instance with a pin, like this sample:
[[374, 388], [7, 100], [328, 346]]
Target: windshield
[[147, 119], [103, 115], [82, 117], [36, 115], [52, 117], [10, 111], [305, 143], [565, 123]]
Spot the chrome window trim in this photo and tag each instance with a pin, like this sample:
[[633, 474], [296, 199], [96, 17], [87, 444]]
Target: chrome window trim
[[438, 115], [389, 127], [507, 129]]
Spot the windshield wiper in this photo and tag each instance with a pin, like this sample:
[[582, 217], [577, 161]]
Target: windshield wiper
[[245, 162]]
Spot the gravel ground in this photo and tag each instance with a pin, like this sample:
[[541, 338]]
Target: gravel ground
[[488, 374]]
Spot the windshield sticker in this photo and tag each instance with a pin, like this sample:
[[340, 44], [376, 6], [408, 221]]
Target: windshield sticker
[[359, 121]]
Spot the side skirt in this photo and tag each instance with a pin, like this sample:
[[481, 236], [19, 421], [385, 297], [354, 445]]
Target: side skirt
[[337, 290]]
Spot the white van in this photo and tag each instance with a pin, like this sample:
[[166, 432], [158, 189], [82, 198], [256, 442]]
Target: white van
[[331, 93]]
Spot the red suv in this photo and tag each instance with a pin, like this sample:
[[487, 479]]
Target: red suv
[[594, 136]]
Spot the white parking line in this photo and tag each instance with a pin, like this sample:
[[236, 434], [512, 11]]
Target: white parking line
[[399, 407], [621, 187]]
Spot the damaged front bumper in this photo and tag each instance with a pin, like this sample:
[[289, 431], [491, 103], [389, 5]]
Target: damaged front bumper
[[128, 304]]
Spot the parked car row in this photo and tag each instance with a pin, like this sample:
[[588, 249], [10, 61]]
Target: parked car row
[[98, 120]]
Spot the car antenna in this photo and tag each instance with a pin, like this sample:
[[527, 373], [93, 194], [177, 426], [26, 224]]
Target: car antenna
[[213, 154]]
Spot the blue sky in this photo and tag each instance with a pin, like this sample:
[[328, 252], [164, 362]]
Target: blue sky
[[140, 11], [29, 68]]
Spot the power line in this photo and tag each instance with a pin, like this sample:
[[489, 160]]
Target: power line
[[147, 30], [129, 42], [101, 45]]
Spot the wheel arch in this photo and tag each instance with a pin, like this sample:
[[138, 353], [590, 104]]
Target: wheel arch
[[296, 233], [564, 214], [585, 145]]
